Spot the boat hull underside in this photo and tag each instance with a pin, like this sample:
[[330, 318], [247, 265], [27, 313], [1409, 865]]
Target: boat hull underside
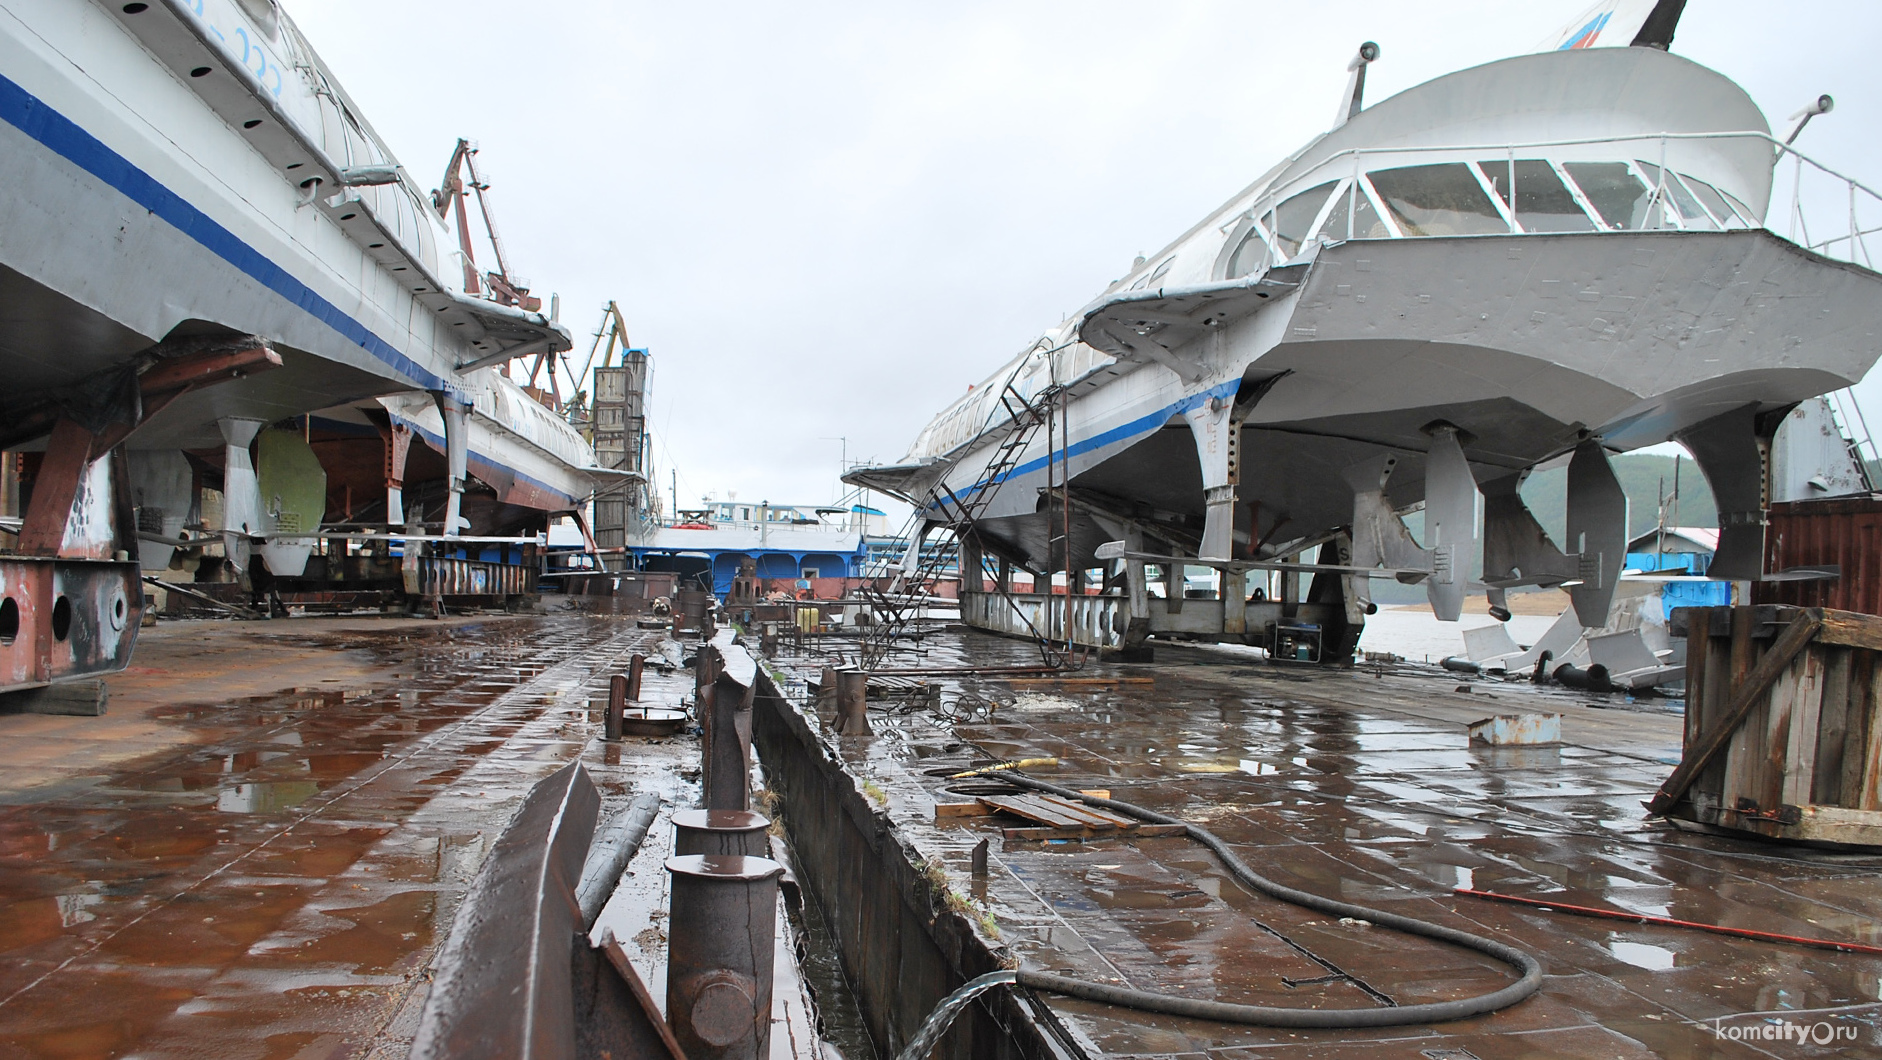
[[1525, 344], [88, 277]]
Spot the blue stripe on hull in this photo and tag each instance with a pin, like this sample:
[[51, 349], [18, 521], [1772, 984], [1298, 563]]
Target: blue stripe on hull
[[37, 119], [1123, 432]]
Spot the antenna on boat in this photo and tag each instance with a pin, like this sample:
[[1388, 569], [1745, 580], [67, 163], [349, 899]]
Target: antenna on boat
[[1823, 105], [1656, 31], [1354, 97]]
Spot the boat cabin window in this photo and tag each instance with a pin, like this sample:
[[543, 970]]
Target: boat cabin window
[[1251, 254], [1618, 196], [1715, 203], [1365, 222], [1751, 219], [1151, 280], [1542, 202], [1293, 220], [1441, 199], [1691, 214]]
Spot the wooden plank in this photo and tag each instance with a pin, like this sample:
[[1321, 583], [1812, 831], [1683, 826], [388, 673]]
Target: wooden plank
[[1774, 663], [1826, 786], [1146, 831], [1797, 766], [1743, 650], [1859, 729], [1869, 789], [1718, 696], [1034, 808], [1698, 651], [1851, 629], [961, 809], [1097, 815], [1769, 739]]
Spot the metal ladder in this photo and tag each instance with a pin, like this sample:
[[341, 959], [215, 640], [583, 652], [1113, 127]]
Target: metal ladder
[[897, 607]]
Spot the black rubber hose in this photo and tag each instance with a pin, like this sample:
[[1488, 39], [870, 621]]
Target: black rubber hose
[[1143, 1000]]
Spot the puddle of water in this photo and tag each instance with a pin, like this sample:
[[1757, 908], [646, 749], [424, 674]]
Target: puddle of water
[[1641, 955], [265, 797]]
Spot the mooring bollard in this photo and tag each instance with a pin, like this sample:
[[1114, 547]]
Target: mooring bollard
[[721, 832], [720, 947], [826, 690], [635, 666], [617, 708], [852, 702], [726, 717], [695, 611]]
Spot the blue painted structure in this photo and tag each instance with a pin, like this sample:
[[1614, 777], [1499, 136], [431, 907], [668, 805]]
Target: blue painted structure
[[1683, 594]]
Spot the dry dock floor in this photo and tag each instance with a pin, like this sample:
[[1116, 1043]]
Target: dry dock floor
[[257, 851], [1361, 784]]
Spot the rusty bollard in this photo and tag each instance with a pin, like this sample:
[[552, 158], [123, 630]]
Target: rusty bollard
[[722, 832], [617, 708], [852, 702], [826, 690], [721, 940], [726, 757], [635, 666]]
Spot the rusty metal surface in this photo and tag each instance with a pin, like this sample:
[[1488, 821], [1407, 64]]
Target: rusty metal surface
[[721, 832], [257, 853], [1361, 785], [503, 985], [719, 971], [442, 576], [617, 706], [1846, 532], [615, 1016], [725, 704], [66, 618], [1509, 730], [852, 702], [692, 611], [614, 846]]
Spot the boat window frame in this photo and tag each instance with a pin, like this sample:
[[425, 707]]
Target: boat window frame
[[1668, 192], [1506, 210], [1393, 231], [1600, 219], [1582, 203], [1391, 221], [1316, 232], [1246, 224], [1725, 224]]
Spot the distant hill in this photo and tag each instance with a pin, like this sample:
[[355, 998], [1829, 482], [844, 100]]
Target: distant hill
[[1645, 478]]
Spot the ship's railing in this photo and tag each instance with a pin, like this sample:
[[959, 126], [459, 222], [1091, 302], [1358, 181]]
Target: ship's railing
[[1811, 204]]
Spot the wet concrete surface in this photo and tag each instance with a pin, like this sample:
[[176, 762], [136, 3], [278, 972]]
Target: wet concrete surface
[[1361, 785], [257, 852]]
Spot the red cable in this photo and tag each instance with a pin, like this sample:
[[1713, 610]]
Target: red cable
[[1615, 914]]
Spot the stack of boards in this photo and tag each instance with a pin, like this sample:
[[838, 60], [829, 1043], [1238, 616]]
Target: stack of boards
[[1056, 818]]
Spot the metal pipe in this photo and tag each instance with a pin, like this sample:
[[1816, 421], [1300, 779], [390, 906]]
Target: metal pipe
[[617, 708], [852, 702], [725, 768], [826, 690], [635, 667], [721, 945], [722, 832], [608, 855]]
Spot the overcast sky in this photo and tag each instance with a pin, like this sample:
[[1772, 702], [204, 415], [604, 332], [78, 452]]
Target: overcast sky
[[827, 219]]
